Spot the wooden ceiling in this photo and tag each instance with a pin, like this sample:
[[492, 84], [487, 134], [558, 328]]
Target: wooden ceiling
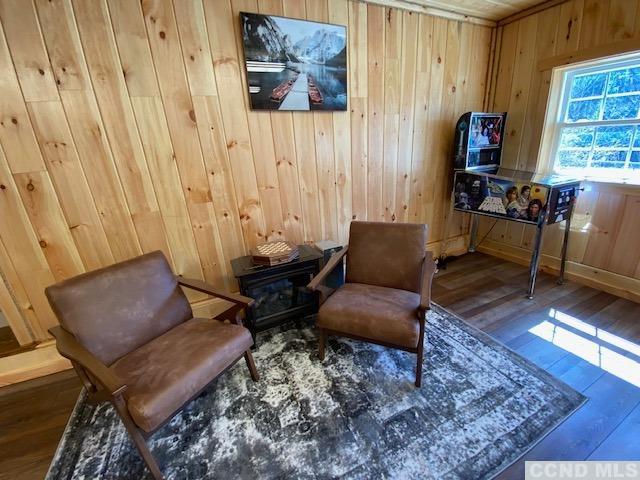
[[488, 12]]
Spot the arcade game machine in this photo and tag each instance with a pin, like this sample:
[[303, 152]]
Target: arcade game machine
[[483, 187]]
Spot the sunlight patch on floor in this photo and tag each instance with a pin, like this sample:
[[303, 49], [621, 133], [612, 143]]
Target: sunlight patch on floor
[[596, 346]]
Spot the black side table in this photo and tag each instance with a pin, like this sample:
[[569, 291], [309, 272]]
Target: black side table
[[279, 291]]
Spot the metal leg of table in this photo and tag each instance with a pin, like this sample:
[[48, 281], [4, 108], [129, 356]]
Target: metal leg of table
[[565, 244], [473, 233], [442, 258], [535, 259]]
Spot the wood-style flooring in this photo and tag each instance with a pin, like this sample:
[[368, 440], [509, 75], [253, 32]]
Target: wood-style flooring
[[33, 415], [587, 338]]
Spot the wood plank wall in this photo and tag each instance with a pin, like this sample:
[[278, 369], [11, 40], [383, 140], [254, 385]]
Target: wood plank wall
[[605, 231], [124, 129]]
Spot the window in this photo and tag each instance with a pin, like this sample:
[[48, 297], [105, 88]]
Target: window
[[598, 123]]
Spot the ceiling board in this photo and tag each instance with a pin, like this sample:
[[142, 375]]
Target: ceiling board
[[487, 12]]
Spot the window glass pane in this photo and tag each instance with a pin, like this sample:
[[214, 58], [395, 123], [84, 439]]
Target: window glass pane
[[614, 136], [588, 85], [600, 127], [577, 137], [572, 159], [608, 158], [627, 80], [636, 142], [584, 110], [621, 107]]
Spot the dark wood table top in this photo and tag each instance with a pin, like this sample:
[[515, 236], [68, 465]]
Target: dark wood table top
[[243, 266]]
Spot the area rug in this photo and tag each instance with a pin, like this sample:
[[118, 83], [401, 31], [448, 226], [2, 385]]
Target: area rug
[[355, 416]]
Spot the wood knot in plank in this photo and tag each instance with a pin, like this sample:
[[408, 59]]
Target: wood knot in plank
[[569, 25]]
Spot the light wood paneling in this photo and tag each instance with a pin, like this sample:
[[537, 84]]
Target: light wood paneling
[[604, 233], [136, 136], [11, 301], [134, 52], [24, 266], [29, 55], [392, 82], [16, 134], [99, 169], [358, 81], [94, 22], [63, 165]]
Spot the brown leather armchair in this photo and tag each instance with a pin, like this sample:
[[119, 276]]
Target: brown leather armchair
[[387, 289], [129, 332]]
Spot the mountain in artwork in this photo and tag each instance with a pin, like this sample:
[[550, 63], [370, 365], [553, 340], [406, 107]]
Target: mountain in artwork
[[340, 59], [320, 47], [264, 41]]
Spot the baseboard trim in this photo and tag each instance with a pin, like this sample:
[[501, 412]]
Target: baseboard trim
[[451, 247], [625, 287], [41, 361]]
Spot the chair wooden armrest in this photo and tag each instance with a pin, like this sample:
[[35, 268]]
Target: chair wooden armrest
[[333, 262], [324, 292], [428, 270], [204, 287], [70, 348]]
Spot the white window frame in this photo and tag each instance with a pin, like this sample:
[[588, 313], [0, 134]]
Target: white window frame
[[561, 80]]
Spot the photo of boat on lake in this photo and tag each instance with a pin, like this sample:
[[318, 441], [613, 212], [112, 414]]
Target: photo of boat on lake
[[294, 64]]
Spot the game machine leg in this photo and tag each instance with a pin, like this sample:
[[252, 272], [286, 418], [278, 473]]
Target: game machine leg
[[535, 261], [565, 241], [473, 233], [535, 254], [441, 261]]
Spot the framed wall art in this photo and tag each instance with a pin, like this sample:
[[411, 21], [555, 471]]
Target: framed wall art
[[294, 64]]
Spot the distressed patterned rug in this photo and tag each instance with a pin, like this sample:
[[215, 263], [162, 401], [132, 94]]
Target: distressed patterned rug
[[357, 415]]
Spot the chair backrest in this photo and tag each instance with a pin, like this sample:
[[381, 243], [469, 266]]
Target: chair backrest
[[386, 254], [114, 310]]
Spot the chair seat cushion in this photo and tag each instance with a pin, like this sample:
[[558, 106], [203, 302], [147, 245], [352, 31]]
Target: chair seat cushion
[[381, 314], [165, 373]]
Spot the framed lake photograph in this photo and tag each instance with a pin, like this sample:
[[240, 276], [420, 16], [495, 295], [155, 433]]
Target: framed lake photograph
[[294, 64]]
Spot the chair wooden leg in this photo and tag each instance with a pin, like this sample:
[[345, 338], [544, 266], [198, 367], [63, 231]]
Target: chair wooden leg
[[252, 366], [137, 438], [423, 320], [322, 344], [419, 368]]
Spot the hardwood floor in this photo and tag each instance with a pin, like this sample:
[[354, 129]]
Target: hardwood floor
[[33, 415], [595, 348], [587, 338]]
